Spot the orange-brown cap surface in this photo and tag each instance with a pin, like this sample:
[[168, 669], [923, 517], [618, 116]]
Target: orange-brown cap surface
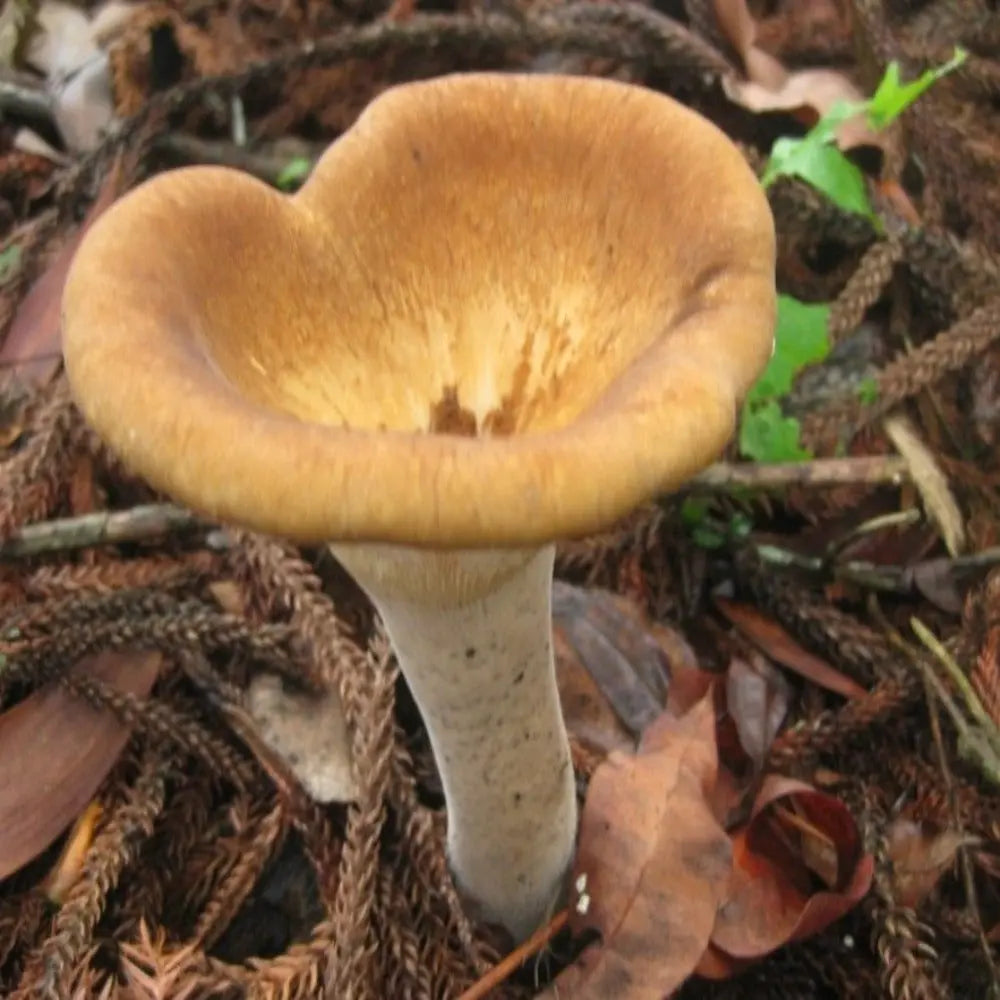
[[503, 309]]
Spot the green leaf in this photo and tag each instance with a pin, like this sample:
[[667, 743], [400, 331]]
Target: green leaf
[[293, 173], [706, 529], [867, 390], [701, 526], [767, 435], [707, 538], [694, 511], [800, 339], [893, 97], [818, 162], [815, 157], [842, 111]]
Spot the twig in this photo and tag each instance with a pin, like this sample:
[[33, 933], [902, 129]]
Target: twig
[[870, 470], [979, 745], [103, 528], [905, 518], [955, 672], [883, 577], [507, 965]]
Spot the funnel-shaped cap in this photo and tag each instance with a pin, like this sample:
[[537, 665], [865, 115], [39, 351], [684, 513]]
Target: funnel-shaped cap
[[504, 309]]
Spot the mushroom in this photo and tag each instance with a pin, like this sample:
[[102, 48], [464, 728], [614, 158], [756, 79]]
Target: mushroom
[[503, 311]]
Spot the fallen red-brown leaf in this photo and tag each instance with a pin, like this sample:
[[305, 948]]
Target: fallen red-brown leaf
[[655, 863], [57, 749], [670, 893], [798, 866], [768, 86], [33, 345], [751, 701], [780, 646], [615, 668], [920, 855]]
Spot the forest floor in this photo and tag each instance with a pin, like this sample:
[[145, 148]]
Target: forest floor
[[840, 612]]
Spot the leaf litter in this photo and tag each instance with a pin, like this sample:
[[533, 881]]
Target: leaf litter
[[654, 861], [783, 767], [57, 750]]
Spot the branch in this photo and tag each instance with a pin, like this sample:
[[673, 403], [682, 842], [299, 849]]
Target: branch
[[870, 470], [102, 528], [507, 966]]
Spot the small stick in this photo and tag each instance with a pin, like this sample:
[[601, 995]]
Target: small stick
[[102, 528], [955, 672], [978, 745], [869, 470], [873, 576], [506, 966], [896, 519]]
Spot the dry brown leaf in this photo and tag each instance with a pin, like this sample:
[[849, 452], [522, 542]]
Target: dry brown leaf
[[69, 46], [780, 646], [655, 863], [33, 346], [930, 480], [942, 582], [630, 660], [688, 686], [751, 702], [768, 86], [740, 29], [756, 700], [919, 858], [811, 93], [589, 716], [56, 750]]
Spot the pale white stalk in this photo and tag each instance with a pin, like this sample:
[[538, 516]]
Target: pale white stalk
[[472, 631]]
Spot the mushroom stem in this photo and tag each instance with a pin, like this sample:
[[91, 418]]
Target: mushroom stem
[[472, 631]]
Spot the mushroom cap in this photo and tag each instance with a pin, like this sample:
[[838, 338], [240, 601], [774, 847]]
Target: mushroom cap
[[504, 309]]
